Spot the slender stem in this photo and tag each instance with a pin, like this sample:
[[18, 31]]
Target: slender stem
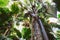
[[6, 31]]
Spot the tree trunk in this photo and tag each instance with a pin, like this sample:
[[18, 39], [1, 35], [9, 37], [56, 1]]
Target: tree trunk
[[36, 33]]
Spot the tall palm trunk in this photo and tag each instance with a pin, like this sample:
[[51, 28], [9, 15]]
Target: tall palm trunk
[[36, 33]]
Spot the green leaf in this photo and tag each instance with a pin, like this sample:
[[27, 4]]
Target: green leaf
[[18, 32], [15, 8], [4, 10], [26, 33], [58, 15], [3, 2]]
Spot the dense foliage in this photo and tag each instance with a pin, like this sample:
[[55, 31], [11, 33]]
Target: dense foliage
[[19, 11]]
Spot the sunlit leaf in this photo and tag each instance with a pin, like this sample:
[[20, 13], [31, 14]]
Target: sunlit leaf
[[58, 15], [3, 2]]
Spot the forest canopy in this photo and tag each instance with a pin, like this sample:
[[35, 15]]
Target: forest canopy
[[29, 20]]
